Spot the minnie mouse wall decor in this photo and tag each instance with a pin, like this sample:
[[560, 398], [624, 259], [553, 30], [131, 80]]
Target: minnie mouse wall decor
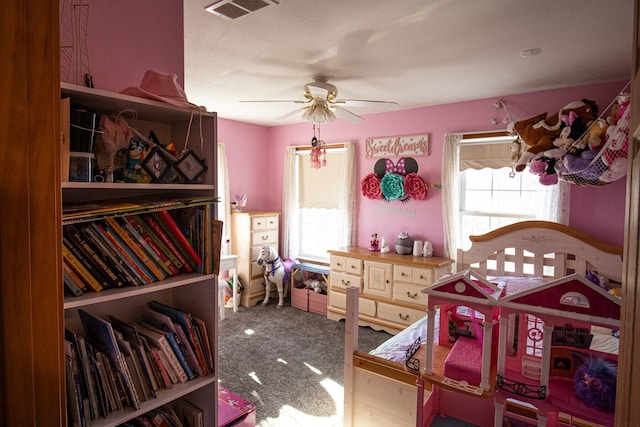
[[399, 181]]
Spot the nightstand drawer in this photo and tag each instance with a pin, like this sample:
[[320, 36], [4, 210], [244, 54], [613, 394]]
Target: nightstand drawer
[[264, 223]]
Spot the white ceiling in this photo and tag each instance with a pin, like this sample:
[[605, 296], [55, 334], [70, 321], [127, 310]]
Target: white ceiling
[[414, 52]]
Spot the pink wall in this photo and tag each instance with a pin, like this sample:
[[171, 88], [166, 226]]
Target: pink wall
[[126, 38], [597, 211]]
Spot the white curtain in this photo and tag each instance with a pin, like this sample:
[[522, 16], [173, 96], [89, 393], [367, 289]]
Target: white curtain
[[289, 217], [450, 197], [556, 203], [224, 205]]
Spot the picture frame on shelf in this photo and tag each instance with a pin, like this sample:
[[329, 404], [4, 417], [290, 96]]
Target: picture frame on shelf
[[190, 166]]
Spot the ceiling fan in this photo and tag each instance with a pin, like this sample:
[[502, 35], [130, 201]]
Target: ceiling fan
[[323, 106]]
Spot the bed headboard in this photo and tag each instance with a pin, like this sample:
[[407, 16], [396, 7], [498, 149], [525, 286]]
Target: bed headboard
[[540, 249]]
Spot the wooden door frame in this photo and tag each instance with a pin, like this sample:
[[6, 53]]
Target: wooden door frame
[[31, 322]]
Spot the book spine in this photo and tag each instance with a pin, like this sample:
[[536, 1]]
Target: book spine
[[123, 270], [163, 369], [139, 251], [155, 226], [170, 225], [88, 267], [72, 281], [124, 251], [135, 226], [160, 244], [118, 254], [94, 257], [164, 345], [80, 269], [202, 370], [179, 352]]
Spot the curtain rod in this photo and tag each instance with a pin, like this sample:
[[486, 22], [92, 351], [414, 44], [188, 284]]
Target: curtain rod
[[485, 134], [309, 147]]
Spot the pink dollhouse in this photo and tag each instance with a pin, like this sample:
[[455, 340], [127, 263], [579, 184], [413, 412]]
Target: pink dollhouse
[[523, 343]]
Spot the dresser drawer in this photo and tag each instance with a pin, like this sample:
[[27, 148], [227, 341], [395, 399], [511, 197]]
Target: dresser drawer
[[402, 273], [353, 266], [402, 315], [366, 307], [264, 222], [256, 286], [342, 280], [256, 269], [337, 264], [423, 276], [409, 293], [264, 237]]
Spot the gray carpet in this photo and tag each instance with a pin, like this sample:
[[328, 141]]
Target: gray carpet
[[280, 365]]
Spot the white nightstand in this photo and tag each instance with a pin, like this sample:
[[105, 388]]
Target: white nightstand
[[228, 263]]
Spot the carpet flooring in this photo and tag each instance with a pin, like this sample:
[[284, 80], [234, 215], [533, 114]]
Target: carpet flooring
[[288, 362]]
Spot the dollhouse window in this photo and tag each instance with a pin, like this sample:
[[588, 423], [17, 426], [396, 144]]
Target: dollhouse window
[[533, 345], [575, 299]]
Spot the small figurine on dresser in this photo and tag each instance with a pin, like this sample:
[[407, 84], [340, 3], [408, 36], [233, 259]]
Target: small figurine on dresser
[[374, 244], [384, 246], [427, 250]]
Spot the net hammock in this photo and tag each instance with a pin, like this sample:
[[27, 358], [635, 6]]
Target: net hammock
[[610, 162]]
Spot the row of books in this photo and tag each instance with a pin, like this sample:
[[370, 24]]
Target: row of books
[[131, 250], [185, 414], [118, 364]]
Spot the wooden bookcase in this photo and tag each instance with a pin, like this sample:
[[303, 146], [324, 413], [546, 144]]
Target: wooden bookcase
[[195, 293]]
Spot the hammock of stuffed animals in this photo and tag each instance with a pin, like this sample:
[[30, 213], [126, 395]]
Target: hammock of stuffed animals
[[610, 163]]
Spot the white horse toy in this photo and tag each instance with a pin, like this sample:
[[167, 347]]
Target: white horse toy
[[276, 271]]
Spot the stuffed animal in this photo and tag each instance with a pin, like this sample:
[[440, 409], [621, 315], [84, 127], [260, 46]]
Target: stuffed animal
[[594, 137], [594, 381], [319, 286], [540, 131], [562, 143], [544, 167]]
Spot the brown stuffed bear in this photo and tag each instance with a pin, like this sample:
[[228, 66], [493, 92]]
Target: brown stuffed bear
[[540, 131]]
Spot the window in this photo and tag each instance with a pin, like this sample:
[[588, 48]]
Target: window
[[319, 203], [535, 332], [481, 193]]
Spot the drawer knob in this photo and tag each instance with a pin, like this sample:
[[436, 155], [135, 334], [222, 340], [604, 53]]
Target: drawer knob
[[403, 275], [412, 296], [346, 282], [339, 264], [265, 237], [405, 317], [421, 277]]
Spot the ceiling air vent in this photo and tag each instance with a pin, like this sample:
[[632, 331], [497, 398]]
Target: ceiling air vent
[[234, 9]]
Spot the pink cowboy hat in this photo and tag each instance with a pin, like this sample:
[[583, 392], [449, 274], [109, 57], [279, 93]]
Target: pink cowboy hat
[[160, 87]]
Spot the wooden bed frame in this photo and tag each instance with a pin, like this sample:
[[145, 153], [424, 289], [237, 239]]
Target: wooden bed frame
[[380, 392]]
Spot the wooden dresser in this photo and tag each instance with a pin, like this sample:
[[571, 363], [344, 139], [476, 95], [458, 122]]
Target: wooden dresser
[[249, 232], [390, 284]]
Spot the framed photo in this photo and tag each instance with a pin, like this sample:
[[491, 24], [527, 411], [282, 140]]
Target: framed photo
[[190, 166], [155, 164]]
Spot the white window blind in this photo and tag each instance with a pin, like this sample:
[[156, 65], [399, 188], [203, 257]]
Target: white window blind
[[489, 152], [317, 187]]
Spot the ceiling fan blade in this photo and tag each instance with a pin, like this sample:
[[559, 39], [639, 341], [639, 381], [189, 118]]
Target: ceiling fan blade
[[388, 105], [347, 115], [291, 113], [279, 100]]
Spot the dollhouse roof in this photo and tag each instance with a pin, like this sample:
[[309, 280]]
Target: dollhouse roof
[[466, 286], [569, 294]]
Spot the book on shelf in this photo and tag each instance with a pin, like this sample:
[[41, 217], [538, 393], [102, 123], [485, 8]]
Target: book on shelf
[[177, 348], [80, 269], [135, 369], [165, 323], [183, 319], [130, 334], [105, 373], [105, 250], [93, 255], [139, 251], [88, 388], [102, 334], [160, 341], [167, 376], [173, 230], [88, 265], [201, 329], [120, 247], [155, 226], [98, 381], [158, 249], [190, 415], [72, 282], [75, 400]]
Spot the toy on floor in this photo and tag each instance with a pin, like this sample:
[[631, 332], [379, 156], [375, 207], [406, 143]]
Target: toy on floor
[[276, 271]]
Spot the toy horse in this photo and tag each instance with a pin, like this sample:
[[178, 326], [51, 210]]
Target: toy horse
[[276, 271]]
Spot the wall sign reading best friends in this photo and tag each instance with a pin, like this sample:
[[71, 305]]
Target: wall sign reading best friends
[[389, 146]]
